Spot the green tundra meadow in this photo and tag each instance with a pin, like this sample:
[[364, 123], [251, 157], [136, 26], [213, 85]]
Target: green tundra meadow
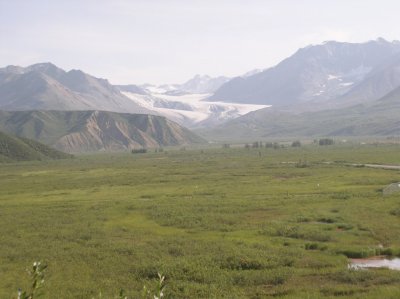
[[217, 223]]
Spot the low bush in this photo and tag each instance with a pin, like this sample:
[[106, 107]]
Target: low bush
[[315, 246], [139, 151]]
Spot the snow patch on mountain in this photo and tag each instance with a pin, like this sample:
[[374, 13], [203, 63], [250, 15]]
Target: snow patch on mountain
[[334, 77], [346, 84]]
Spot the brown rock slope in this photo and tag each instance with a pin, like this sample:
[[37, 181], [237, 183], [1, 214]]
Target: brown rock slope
[[97, 130]]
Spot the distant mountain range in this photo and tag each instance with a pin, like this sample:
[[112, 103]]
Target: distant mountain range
[[44, 86], [332, 75], [87, 131], [323, 75], [199, 84], [203, 84], [375, 118], [334, 88], [187, 103], [14, 149]]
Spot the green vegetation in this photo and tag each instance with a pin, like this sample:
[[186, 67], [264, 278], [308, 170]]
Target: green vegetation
[[37, 277], [21, 149], [37, 281], [219, 223]]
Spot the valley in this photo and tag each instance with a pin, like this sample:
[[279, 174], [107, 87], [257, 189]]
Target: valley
[[218, 223], [199, 149]]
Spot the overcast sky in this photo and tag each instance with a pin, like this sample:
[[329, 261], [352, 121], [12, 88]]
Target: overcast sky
[[169, 41]]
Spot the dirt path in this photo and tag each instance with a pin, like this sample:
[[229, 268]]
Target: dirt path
[[383, 166]]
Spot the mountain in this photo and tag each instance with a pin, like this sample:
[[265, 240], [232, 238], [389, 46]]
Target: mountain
[[376, 118], [87, 131], [313, 75], [199, 84], [132, 88], [202, 84], [251, 73], [21, 149], [379, 82], [44, 86], [186, 103]]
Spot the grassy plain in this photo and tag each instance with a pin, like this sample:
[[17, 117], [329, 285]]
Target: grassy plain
[[218, 223]]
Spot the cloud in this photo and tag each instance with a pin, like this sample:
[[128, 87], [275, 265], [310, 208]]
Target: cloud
[[172, 40]]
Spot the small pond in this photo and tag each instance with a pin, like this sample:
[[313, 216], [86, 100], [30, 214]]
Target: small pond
[[393, 264]]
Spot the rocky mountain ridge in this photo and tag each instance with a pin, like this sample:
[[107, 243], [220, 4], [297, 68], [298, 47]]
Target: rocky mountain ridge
[[315, 75], [89, 131], [44, 86]]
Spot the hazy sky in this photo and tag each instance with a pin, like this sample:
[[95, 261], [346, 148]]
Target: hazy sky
[[169, 41]]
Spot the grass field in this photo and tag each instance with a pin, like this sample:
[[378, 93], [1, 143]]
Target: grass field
[[218, 223]]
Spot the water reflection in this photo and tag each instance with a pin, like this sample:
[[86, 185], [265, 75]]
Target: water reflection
[[393, 264]]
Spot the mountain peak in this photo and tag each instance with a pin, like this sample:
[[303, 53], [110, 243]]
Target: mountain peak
[[46, 68], [77, 74], [382, 40], [43, 66], [13, 69]]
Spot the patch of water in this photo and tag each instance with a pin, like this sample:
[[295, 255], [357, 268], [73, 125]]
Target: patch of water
[[357, 264]]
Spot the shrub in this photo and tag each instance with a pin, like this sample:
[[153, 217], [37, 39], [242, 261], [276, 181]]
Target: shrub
[[341, 195], [269, 145], [315, 246], [302, 164], [139, 151], [241, 263], [326, 141], [326, 220], [345, 226], [311, 246], [395, 212], [289, 232], [296, 143]]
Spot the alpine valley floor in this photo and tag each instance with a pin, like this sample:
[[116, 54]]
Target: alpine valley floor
[[218, 223]]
